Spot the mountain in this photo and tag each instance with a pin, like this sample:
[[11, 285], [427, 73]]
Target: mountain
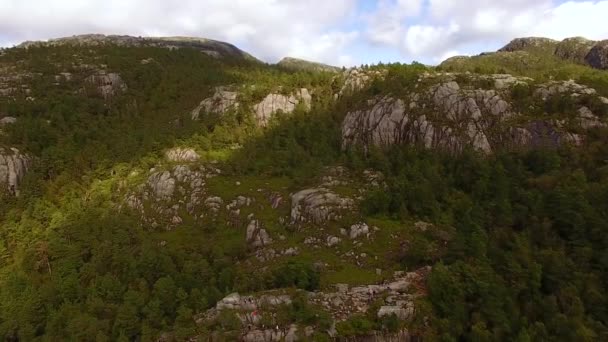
[[297, 64], [211, 47], [154, 193], [577, 50]]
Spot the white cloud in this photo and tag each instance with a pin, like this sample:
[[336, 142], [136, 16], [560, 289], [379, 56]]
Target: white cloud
[[445, 26], [270, 29]]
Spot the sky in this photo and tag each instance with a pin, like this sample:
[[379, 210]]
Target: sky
[[337, 32]]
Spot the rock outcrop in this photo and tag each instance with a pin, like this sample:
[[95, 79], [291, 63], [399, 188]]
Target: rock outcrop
[[318, 205], [598, 56], [256, 235], [7, 120], [13, 167], [168, 195], [396, 296], [274, 103], [222, 102], [451, 118], [107, 84]]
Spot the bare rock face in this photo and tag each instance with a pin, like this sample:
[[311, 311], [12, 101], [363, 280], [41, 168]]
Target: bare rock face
[[183, 155], [451, 118], [7, 120], [13, 166], [318, 205], [256, 235], [222, 102], [168, 195], [598, 56], [274, 103], [107, 84]]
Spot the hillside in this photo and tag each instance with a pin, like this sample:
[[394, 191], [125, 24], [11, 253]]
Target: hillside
[[153, 193]]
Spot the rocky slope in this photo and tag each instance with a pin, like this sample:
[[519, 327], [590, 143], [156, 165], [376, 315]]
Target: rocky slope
[[576, 49], [13, 166], [324, 248], [452, 116]]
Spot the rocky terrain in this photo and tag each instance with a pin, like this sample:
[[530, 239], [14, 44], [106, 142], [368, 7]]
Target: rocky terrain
[[452, 117], [171, 189]]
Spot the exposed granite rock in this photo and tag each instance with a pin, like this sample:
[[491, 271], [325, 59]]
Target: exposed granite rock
[[183, 155], [256, 235], [598, 55], [357, 230], [274, 103], [222, 102], [167, 195], [451, 118], [317, 205], [107, 84], [13, 167], [7, 120]]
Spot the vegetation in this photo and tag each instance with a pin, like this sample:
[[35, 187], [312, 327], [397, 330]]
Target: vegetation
[[520, 251]]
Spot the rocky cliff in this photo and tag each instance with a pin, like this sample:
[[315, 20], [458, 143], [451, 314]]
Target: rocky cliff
[[13, 166], [452, 116]]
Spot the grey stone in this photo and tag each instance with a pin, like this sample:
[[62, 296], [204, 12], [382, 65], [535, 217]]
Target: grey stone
[[182, 155], [13, 167], [222, 102]]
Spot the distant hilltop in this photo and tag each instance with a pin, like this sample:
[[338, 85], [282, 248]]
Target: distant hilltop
[[576, 49], [210, 47]]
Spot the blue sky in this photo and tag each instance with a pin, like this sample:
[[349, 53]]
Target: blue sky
[[339, 32]]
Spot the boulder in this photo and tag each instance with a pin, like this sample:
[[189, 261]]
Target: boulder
[[317, 205], [7, 120], [357, 230], [13, 167]]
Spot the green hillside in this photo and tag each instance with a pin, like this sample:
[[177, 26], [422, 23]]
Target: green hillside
[[157, 183]]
